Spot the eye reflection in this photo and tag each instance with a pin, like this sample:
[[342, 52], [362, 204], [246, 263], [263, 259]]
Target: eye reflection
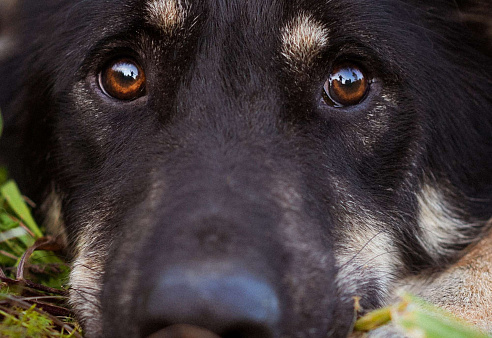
[[348, 75], [123, 79], [346, 86]]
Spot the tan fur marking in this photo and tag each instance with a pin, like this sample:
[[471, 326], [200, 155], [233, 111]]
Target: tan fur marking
[[86, 277], [438, 222], [53, 221], [85, 290], [302, 40], [465, 288], [474, 294], [168, 15], [368, 254], [363, 251], [473, 297]]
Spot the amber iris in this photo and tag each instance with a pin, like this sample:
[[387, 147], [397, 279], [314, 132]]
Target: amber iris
[[123, 79], [347, 85]]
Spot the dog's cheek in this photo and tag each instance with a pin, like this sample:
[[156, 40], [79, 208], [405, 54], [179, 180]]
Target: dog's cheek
[[365, 246], [368, 264]]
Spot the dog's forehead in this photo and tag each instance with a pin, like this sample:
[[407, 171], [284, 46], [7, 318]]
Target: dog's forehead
[[166, 15], [302, 35], [170, 14]]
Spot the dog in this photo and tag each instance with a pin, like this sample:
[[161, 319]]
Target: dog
[[247, 168]]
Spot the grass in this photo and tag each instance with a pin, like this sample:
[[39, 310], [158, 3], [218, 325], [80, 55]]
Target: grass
[[33, 291], [33, 277]]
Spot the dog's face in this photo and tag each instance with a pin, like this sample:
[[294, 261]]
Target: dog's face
[[250, 166]]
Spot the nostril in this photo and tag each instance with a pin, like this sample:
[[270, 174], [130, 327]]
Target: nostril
[[248, 331], [224, 301]]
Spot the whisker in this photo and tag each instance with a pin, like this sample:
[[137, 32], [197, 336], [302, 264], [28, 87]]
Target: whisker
[[362, 265], [83, 294], [361, 249]]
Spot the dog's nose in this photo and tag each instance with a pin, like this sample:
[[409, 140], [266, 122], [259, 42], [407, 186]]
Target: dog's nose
[[226, 302]]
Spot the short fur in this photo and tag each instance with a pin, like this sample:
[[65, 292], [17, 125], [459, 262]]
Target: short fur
[[233, 159]]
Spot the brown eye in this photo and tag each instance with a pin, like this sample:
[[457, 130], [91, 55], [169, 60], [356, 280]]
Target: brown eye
[[346, 86], [123, 79]]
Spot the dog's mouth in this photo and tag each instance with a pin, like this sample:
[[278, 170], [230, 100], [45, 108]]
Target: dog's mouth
[[183, 331], [192, 331]]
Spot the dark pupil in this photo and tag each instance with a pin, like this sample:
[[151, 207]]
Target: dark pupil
[[350, 79], [125, 73]]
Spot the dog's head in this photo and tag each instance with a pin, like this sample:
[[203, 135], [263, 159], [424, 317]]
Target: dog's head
[[248, 166]]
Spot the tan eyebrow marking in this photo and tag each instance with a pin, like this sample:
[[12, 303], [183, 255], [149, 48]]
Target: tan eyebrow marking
[[303, 38], [168, 15]]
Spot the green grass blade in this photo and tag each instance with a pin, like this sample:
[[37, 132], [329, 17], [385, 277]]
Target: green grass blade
[[373, 319], [419, 318], [12, 195]]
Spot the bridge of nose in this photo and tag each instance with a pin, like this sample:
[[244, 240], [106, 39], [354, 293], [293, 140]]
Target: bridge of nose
[[234, 69]]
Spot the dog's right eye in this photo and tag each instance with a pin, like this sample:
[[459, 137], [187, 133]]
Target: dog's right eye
[[123, 79]]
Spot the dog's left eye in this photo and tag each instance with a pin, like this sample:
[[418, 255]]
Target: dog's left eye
[[123, 79], [346, 86]]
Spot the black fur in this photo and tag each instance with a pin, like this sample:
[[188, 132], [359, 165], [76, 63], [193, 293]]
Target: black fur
[[232, 147]]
